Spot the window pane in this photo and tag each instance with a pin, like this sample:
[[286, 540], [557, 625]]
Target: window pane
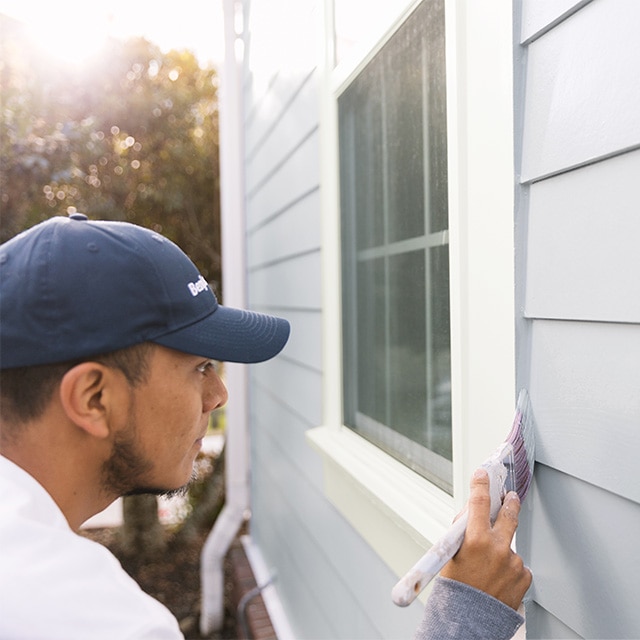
[[439, 436], [403, 90], [372, 360], [436, 133], [407, 345], [395, 269], [362, 148]]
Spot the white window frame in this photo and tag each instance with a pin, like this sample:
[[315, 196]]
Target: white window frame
[[397, 511]]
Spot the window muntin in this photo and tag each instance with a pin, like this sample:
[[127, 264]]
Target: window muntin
[[395, 282]]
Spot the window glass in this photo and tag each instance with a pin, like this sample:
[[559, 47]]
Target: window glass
[[395, 282]]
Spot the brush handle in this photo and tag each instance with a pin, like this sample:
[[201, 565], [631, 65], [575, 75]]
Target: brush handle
[[428, 567]]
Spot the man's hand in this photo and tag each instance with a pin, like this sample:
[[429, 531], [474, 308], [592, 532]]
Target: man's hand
[[485, 559]]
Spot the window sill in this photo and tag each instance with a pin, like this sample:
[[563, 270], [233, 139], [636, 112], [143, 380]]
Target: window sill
[[397, 512]]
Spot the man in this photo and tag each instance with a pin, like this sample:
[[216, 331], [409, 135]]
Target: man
[[107, 337]]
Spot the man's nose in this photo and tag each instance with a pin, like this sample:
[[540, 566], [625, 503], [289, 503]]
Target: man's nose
[[216, 394]]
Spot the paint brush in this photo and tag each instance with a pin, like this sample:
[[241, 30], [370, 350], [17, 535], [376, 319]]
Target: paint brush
[[510, 468]]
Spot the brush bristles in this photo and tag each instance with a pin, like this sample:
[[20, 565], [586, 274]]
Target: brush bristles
[[521, 437]]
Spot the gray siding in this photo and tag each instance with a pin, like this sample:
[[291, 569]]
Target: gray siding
[[583, 243], [578, 233], [332, 585]]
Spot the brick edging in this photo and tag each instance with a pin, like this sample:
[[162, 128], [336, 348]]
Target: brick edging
[[242, 582]]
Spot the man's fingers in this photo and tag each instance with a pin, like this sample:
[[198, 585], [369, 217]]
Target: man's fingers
[[480, 506], [507, 520], [479, 502], [485, 559]]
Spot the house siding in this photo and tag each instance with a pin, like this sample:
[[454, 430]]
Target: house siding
[[331, 585], [577, 233], [577, 239]]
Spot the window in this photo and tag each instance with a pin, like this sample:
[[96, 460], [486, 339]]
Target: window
[[398, 511], [395, 252]]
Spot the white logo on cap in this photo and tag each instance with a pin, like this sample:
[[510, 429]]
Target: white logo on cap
[[198, 286]]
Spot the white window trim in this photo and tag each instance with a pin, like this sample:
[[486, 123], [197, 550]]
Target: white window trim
[[397, 511]]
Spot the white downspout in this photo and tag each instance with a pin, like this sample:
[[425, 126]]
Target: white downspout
[[236, 507]]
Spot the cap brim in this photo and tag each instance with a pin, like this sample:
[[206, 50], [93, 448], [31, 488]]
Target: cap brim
[[231, 335]]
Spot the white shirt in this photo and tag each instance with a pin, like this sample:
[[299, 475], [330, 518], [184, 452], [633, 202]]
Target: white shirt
[[55, 584]]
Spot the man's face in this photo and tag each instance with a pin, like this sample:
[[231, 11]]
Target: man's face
[[167, 417]]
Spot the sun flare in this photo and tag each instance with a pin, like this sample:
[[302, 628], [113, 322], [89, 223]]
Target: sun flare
[[71, 40], [74, 30]]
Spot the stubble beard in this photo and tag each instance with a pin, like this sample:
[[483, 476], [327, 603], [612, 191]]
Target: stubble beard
[[123, 474]]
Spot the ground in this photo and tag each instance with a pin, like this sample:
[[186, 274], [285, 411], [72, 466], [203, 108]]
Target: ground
[[173, 578]]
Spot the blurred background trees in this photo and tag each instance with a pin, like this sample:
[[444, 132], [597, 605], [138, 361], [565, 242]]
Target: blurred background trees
[[131, 134]]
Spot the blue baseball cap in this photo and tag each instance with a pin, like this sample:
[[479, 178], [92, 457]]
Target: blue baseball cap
[[71, 288]]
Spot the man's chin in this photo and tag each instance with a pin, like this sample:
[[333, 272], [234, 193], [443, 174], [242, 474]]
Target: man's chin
[[157, 491], [163, 492]]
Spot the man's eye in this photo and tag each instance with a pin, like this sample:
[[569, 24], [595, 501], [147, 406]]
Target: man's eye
[[209, 365]]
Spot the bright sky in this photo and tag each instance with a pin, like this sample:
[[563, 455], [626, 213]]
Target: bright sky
[[70, 27]]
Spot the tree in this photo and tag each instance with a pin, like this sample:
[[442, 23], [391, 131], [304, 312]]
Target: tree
[[131, 136]]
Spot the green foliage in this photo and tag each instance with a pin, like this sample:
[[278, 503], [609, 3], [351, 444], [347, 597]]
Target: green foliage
[[132, 135]]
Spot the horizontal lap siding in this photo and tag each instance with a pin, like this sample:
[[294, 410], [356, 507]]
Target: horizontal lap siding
[[546, 625], [582, 551], [539, 16], [279, 455], [295, 387], [283, 263], [291, 231], [584, 242], [340, 588], [582, 91], [293, 283], [580, 296], [331, 583], [287, 182], [585, 390], [292, 118]]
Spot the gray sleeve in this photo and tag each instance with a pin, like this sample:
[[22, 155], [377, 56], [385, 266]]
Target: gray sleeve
[[456, 611]]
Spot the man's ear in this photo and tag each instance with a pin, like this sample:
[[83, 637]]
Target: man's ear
[[85, 393]]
